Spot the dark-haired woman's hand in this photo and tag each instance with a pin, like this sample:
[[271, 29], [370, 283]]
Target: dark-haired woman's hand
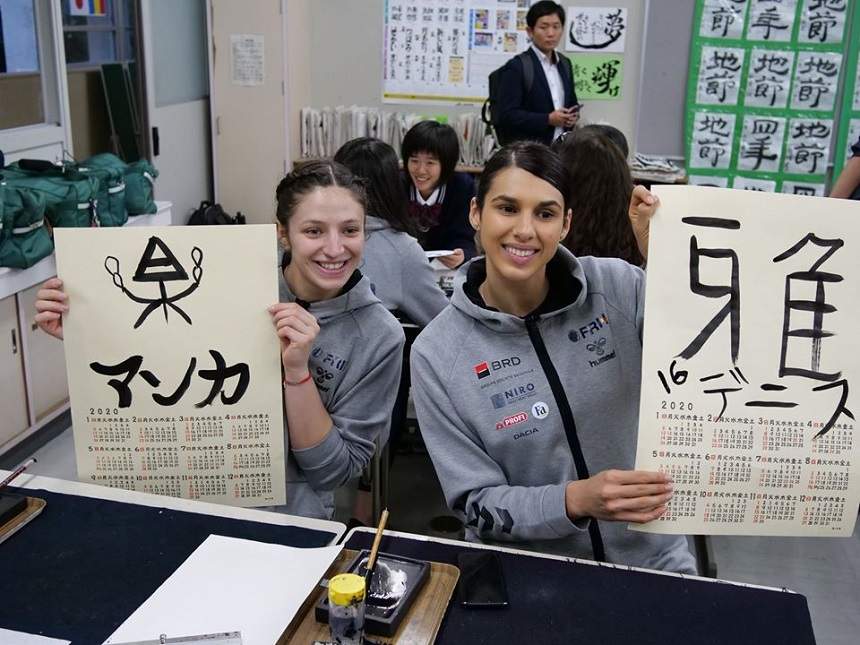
[[454, 260], [643, 203], [51, 303], [619, 495]]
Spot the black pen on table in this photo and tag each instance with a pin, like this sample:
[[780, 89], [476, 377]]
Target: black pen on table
[[20, 469]]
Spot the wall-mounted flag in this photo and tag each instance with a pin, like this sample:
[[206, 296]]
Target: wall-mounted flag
[[87, 7]]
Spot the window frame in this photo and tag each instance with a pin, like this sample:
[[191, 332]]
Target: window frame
[[119, 9]]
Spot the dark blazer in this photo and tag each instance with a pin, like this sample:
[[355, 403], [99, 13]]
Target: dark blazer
[[524, 115], [452, 230]]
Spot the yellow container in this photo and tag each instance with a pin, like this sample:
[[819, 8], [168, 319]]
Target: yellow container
[[346, 589]]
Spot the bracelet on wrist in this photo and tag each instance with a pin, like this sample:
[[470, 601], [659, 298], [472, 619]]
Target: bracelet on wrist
[[299, 382]]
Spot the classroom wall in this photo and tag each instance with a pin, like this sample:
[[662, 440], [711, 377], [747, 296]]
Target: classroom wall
[[348, 69], [22, 99], [299, 66], [668, 30], [344, 66]]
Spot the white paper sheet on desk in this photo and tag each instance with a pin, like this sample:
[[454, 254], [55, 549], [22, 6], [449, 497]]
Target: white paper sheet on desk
[[229, 584], [8, 637]]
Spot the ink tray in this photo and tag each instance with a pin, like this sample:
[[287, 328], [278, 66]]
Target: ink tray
[[396, 584]]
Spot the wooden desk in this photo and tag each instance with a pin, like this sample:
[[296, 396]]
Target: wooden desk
[[555, 599], [79, 569]]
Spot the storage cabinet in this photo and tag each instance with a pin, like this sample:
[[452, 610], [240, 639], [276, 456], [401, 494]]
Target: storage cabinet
[[13, 393], [46, 361]]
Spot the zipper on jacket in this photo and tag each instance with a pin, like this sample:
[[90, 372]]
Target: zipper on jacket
[[568, 423]]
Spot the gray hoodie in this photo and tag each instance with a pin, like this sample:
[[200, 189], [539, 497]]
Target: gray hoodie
[[400, 275], [355, 363], [507, 405]]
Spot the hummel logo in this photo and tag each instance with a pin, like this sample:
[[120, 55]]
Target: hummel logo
[[597, 347]]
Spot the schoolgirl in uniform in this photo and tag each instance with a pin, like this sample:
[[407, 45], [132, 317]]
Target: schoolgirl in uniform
[[340, 348], [394, 262], [527, 387], [439, 197]]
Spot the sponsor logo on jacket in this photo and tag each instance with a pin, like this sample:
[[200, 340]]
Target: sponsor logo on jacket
[[513, 420], [512, 395], [580, 333], [485, 368]]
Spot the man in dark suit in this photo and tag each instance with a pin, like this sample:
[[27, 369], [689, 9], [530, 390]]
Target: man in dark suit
[[549, 107]]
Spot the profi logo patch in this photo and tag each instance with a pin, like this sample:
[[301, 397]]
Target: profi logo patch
[[513, 420], [588, 330], [483, 369]]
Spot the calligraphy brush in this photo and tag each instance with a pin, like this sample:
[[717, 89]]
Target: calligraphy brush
[[20, 469], [374, 551]]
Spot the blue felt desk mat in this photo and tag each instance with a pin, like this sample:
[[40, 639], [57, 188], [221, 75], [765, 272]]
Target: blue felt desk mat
[[553, 601], [79, 569]]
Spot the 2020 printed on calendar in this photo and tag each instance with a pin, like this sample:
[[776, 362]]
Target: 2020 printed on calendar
[[173, 363], [750, 372]]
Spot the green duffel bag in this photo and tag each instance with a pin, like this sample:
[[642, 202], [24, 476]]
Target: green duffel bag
[[111, 195], [140, 187], [71, 197], [24, 238], [139, 181]]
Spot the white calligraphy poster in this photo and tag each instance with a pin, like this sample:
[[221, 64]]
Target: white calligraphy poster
[[750, 376], [595, 29], [173, 364]]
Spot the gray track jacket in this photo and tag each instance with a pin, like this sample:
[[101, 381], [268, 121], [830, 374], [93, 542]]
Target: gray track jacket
[[400, 275], [506, 403], [355, 364]]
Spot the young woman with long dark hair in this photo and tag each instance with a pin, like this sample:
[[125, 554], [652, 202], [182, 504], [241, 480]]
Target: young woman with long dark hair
[[527, 387]]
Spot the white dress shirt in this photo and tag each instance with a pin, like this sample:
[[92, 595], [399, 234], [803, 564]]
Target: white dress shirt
[[553, 79]]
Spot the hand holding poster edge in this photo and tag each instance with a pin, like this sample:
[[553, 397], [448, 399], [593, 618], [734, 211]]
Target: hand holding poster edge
[[810, 504]]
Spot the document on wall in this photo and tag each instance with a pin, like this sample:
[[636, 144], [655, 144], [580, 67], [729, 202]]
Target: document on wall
[[173, 364], [442, 51], [749, 373], [230, 584], [247, 59]]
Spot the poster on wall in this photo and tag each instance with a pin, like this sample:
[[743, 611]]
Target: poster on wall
[[595, 29], [762, 92], [598, 76], [173, 364], [442, 51], [247, 59], [749, 388]]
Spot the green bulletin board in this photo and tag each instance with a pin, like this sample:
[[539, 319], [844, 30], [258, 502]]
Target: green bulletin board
[[849, 129], [762, 92]]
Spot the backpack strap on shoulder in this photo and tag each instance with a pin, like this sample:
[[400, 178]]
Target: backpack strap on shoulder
[[528, 70]]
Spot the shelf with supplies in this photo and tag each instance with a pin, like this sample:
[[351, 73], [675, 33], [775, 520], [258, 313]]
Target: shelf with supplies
[[32, 363]]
